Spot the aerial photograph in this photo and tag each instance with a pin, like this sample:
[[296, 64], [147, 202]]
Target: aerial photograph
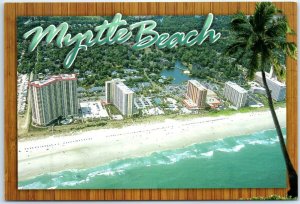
[[196, 116]]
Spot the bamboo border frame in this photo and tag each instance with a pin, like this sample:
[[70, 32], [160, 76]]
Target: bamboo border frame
[[12, 10]]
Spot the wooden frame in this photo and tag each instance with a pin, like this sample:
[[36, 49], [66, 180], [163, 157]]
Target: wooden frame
[[12, 10]]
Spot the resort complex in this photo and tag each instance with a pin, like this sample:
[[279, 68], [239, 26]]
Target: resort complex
[[59, 97], [54, 97]]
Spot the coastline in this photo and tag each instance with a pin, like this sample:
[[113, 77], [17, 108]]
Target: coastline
[[99, 147]]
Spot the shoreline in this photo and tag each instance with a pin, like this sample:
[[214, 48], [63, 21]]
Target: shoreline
[[93, 148]]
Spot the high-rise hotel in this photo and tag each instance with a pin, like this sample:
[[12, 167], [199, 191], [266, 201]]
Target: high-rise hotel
[[235, 94], [278, 89], [120, 95], [54, 97], [196, 95]]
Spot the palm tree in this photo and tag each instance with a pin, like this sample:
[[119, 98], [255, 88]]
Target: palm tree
[[260, 41]]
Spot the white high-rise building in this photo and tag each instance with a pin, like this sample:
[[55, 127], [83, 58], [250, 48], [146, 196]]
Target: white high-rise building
[[54, 97], [120, 95], [235, 94], [277, 88]]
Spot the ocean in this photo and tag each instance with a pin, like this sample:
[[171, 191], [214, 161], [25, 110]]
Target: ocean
[[246, 161]]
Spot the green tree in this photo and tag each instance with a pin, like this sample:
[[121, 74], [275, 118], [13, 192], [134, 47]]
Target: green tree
[[261, 42]]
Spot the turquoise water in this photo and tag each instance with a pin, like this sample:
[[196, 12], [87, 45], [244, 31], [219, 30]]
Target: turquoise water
[[248, 161], [176, 73]]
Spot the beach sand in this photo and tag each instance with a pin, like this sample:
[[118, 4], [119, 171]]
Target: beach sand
[[97, 147]]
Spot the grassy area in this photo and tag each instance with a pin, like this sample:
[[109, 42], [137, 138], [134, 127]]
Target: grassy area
[[24, 121], [76, 126], [245, 110], [21, 122], [112, 110]]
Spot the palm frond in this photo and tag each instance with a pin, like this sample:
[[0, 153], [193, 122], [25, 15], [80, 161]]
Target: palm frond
[[279, 70], [240, 23], [291, 49], [235, 47], [277, 27], [263, 14]]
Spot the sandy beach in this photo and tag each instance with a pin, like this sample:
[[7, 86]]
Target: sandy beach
[[98, 147]]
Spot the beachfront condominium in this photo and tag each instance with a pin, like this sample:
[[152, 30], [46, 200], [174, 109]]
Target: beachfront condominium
[[196, 94], [278, 89], [54, 97], [235, 94], [117, 93]]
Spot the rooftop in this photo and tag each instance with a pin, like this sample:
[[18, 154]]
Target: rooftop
[[211, 93], [190, 104], [116, 80], [93, 109], [124, 88], [50, 79], [197, 84], [236, 87], [120, 83]]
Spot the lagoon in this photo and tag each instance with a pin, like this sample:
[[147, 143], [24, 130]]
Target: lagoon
[[176, 73]]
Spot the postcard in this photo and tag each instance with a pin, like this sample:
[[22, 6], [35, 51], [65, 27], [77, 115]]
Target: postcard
[[154, 101]]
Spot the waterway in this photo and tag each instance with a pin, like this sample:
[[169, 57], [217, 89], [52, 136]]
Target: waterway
[[176, 73]]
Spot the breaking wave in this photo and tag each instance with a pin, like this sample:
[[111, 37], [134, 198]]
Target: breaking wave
[[233, 149]]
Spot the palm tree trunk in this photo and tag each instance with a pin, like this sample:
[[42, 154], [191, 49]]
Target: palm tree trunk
[[292, 174]]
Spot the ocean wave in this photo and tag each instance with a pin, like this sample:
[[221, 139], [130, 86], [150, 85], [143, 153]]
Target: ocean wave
[[261, 142], [264, 137], [236, 148], [124, 165], [72, 183], [52, 187], [208, 154], [179, 156], [107, 172], [275, 139], [34, 185]]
